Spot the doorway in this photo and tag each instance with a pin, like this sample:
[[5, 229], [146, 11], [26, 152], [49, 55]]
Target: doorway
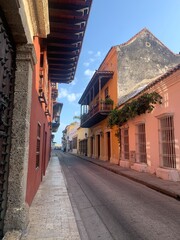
[[108, 146], [99, 149], [92, 147]]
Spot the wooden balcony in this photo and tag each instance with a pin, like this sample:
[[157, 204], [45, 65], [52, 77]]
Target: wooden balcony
[[68, 21], [96, 114], [55, 126], [57, 107], [54, 91], [42, 96]]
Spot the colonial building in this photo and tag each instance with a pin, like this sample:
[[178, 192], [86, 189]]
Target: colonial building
[[40, 43], [82, 141], [150, 141], [126, 68], [75, 139], [70, 138]]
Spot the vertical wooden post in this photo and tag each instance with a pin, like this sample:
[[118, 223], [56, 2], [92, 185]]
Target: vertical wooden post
[[99, 93]]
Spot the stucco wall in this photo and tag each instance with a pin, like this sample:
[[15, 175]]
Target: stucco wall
[[142, 57], [169, 89], [109, 64], [102, 130], [37, 116]]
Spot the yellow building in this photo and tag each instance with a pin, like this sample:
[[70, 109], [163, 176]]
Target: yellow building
[[82, 146], [96, 102]]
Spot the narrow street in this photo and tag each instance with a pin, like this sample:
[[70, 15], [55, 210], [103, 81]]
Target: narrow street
[[113, 207]]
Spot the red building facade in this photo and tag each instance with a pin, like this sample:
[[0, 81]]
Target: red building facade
[[40, 122], [40, 46]]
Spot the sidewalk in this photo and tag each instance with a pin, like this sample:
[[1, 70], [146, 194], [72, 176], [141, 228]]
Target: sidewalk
[[51, 214], [169, 188]]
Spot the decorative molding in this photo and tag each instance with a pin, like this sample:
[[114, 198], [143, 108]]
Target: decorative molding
[[26, 52], [39, 15]]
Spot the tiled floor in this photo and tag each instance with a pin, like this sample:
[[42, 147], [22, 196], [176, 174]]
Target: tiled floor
[[51, 214]]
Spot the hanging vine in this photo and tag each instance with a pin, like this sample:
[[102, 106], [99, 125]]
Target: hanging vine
[[144, 103]]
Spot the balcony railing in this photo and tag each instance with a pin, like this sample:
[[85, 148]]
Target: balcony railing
[[96, 114], [42, 96], [54, 93]]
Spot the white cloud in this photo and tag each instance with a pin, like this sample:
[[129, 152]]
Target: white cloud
[[98, 54], [90, 52], [63, 93], [71, 97], [91, 59], [89, 72], [94, 57], [86, 64]]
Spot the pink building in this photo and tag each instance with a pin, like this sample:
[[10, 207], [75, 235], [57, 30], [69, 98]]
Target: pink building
[[151, 142]]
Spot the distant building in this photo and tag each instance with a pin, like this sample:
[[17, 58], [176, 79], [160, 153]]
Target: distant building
[[69, 138], [82, 147]]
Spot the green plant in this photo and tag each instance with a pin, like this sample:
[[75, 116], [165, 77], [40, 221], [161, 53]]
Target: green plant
[[109, 101], [144, 103]]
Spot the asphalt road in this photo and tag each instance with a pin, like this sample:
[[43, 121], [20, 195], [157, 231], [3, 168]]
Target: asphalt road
[[109, 206]]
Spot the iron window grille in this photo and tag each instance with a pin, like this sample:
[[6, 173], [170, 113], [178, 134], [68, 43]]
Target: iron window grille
[[141, 155], [38, 145], [125, 144], [167, 141]]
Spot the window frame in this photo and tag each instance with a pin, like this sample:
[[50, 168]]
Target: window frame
[[140, 144], [38, 145], [125, 155], [170, 137]]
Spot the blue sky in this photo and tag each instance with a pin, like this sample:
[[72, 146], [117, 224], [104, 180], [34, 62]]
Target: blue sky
[[113, 22]]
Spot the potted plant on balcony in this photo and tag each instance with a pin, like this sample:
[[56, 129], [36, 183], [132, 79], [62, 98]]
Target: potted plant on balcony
[[109, 101]]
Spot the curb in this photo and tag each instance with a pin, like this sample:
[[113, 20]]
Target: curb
[[149, 185]]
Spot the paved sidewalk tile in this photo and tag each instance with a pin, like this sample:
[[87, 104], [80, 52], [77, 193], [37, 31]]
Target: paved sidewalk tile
[[51, 214]]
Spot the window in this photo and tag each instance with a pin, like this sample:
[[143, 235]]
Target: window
[[106, 93], [141, 143], [38, 145], [125, 144], [167, 142], [42, 60]]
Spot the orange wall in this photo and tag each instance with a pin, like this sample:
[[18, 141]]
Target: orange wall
[[109, 64], [37, 116]]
